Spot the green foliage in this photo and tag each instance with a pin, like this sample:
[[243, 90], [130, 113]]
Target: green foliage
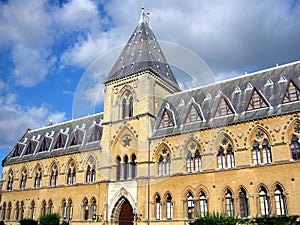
[[217, 219], [49, 219], [65, 223], [28, 222], [278, 220], [2, 222]]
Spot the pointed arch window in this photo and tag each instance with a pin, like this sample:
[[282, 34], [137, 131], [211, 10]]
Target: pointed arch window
[[44, 208], [161, 165], [22, 210], [94, 208], [280, 201], [295, 147], [261, 154], [168, 165], [203, 204], [90, 174], [50, 206], [54, 176], [32, 210], [189, 162], [64, 209], [17, 213], [9, 206], [244, 203], [169, 207], [23, 179], [10, 181], [127, 105], [264, 202], [71, 174], [96, 134], [190, 206], [126, 168], [292, 92], [198, 161], [85, 209], [256, 101], [158, 207], [221, 158], [225, 158], [3, 214], [229, 206], [70, 209], [164, 163], [45, 145], [119, 168], [38, 178], [133, 166]]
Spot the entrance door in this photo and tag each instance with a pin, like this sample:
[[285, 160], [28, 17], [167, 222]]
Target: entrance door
[[126, 214]]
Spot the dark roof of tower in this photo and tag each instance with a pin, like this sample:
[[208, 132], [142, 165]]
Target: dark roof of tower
[[141, 52]]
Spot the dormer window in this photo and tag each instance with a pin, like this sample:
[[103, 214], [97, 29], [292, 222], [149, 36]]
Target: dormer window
[[61, 140], [96, 134]]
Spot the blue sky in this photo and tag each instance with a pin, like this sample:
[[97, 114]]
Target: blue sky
[[46, 46]]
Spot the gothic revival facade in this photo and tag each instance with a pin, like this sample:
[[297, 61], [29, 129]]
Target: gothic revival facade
[[159, 155]]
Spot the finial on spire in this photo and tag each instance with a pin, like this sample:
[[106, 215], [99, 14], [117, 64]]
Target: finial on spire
[[144, 16]]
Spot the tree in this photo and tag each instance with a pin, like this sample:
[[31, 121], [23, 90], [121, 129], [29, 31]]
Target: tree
[[217, 219], [28, 222], [49, 219]]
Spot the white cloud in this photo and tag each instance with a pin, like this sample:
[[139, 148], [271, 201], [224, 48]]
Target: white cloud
[[77, 15], [16, 118]]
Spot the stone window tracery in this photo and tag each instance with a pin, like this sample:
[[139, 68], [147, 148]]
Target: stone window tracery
[[261, 150], [225, 155], [127, 104]]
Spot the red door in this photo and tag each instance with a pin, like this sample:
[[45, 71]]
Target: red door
[[126, 214]]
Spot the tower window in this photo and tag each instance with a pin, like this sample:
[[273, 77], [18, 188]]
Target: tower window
[[127, 105]]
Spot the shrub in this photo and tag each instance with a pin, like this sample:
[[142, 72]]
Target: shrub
[[65, 223], [28, 222], [217, 219], [2, 222], [49, 219], [278, 220]]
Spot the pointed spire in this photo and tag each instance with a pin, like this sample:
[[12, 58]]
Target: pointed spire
[[142, 52]]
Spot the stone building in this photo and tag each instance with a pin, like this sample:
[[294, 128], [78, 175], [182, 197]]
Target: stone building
[[160, 155]]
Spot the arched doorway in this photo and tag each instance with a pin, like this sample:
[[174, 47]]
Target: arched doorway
[[126, 214]]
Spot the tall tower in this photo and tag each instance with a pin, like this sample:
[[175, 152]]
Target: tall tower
[[139, 80]]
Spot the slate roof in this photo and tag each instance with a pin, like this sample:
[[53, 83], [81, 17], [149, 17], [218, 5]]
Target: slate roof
[[84, 126], [270, 83], [141, 52]]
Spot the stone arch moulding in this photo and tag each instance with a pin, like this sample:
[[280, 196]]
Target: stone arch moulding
[[218, 138], [252, 132], [122, 92], [34, 169], [288, 130], [117, 201], [119, 144], [158, 149]]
